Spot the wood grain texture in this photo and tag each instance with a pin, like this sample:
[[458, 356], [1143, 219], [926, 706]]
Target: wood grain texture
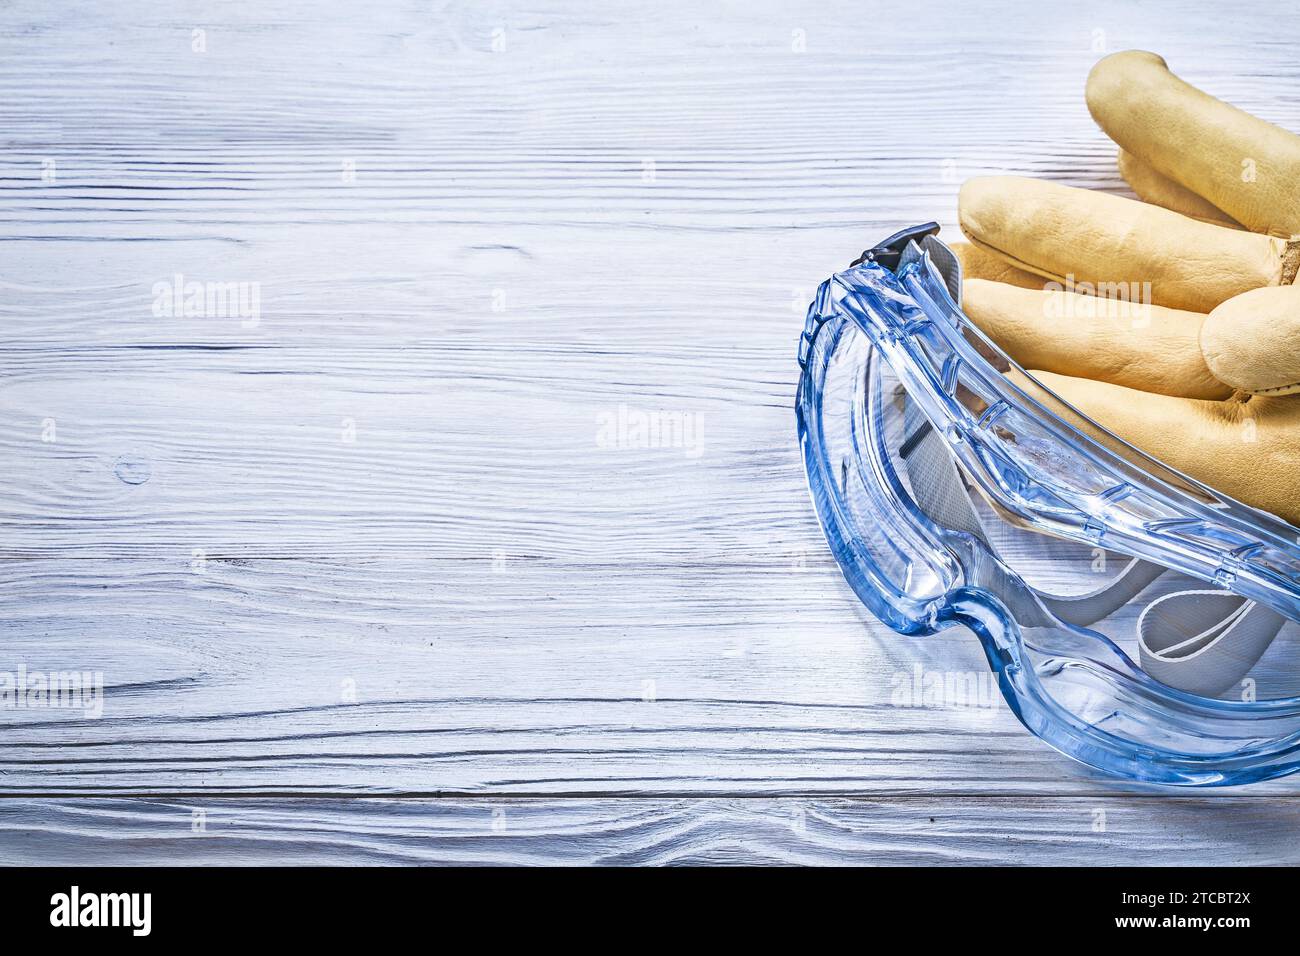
[[373, 542], [973, 831]]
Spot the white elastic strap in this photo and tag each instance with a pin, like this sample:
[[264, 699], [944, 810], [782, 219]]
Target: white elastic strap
[[1229, 634], [1085, 609], [941, 494], [1201, 642]]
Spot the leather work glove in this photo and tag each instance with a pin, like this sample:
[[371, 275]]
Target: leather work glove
[[1173, 321]]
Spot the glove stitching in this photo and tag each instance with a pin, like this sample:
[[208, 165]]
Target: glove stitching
[[1277, 389], [1018, 263]]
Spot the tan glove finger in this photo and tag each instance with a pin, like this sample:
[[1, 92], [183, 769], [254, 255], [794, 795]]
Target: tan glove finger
[[977, 263], [1139, 346], [1249, 450], [1120, 246], [1252, 342], [1153, 187], [1241, 164]]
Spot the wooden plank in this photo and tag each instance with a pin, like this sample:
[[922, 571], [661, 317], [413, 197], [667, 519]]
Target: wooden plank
[[424, 677], [623, 832], [372, 543]]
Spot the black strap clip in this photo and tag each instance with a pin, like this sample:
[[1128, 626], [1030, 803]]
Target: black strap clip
[[888, 252]]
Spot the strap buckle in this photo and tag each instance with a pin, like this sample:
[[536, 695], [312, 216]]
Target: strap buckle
[[887, 253]]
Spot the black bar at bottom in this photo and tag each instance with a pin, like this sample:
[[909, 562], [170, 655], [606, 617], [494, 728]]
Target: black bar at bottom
[[337, 906]]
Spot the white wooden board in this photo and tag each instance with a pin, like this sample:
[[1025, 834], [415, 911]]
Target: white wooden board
[[369, 542]]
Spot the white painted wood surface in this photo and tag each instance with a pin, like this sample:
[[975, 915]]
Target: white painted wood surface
[[649, 831], [371, 546]]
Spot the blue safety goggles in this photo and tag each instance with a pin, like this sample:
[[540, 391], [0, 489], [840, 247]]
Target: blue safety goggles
[[1136, 619]]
